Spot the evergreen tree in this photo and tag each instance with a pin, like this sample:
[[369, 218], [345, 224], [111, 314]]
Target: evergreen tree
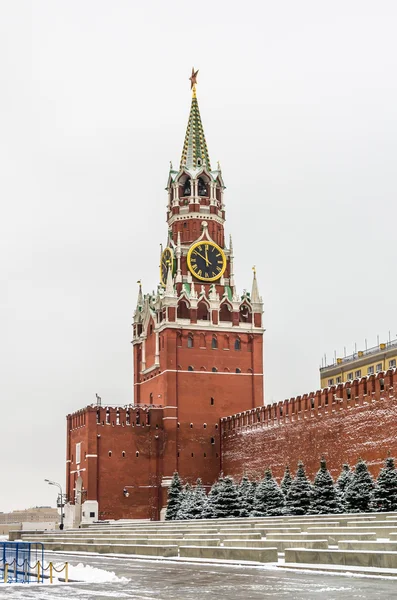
[[324, 498], [226, 502], [209, 506], [246, 495], [174, 498], [344, 479], [299, 494], [359, 492], [186, 501], [198, 501], [269, 499], [286, 481], [385, 493]]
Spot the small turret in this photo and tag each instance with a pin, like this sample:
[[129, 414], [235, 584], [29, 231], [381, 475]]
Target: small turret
[[255, 298]]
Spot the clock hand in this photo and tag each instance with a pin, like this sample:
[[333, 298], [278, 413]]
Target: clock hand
[[203, 257]]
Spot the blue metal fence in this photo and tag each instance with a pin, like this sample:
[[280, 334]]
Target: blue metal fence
[[21, 562]]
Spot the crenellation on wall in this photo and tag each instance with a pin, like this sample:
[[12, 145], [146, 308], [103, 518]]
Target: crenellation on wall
[[343, 422]]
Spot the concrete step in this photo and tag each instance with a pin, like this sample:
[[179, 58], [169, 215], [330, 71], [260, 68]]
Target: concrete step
[[263, 555], [378, 545], [381, 532], [361, 558], [132, 541], [333, 538], [141, 550], [281, 545]]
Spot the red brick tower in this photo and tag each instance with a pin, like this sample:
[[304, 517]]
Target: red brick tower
[[198, 345]]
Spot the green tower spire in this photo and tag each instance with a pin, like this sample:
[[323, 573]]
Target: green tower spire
[[195, 151]]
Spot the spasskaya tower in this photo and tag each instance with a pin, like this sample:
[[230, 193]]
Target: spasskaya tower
[[197, 343]]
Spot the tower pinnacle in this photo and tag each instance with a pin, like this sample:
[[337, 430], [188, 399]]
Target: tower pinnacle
[[255, 298], [195, 151]]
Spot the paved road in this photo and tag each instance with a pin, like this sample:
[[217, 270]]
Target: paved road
[[160, 581]]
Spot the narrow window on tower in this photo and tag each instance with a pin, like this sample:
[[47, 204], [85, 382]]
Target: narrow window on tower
[[212, 402], [190, 368], [214, 370], [237, 344], [137, 453], [214, 344], [78, 453], [190, 341], [213, 441]]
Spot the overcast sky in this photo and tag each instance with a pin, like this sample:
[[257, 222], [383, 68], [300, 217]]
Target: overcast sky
[[298, 102]]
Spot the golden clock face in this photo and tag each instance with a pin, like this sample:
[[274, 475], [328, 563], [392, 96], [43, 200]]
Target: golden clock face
[[167, 262], [206, 261]]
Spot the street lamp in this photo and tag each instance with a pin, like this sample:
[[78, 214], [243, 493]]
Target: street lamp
[[60, 489]]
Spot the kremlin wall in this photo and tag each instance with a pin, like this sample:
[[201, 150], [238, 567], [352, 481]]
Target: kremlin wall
[[343, 423], [199, 407]]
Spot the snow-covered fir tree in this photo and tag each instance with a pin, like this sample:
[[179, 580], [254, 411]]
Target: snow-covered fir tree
[[246, 495], [385, 492], [299, 494], [174, 497], [359, 492], [269, 499], [186, 501], [198, 501], [286, 481], [211, 500], [345, 477], [325, 498], [227, 502]]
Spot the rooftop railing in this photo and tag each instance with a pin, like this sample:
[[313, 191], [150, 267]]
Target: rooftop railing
[[362, 354]]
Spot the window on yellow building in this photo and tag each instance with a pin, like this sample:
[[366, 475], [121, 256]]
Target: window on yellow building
[[378, 367], [370, 370], [339, 379], [330, 382], [350, 376], [392, 363], [357, 374]]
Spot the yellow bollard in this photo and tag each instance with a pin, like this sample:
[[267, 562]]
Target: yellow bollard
[[66, 572], [5, 572], [50, 572], [38, 571]]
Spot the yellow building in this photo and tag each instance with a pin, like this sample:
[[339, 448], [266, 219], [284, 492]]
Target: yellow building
[[360, 364]]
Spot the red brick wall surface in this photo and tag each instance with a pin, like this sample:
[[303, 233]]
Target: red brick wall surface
[[105, 475], [340, 424]]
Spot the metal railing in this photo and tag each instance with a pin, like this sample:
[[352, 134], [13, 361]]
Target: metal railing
[[361, 354], [23, 562]]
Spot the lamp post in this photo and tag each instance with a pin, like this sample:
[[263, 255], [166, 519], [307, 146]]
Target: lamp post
[[60, 490]]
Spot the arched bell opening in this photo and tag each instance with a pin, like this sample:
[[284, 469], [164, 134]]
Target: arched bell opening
[[183, 310], [225, 313], [245, 314], [203, 313], [203, 187]]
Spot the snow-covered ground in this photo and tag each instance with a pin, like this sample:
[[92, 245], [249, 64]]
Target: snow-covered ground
[[122, 577]]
